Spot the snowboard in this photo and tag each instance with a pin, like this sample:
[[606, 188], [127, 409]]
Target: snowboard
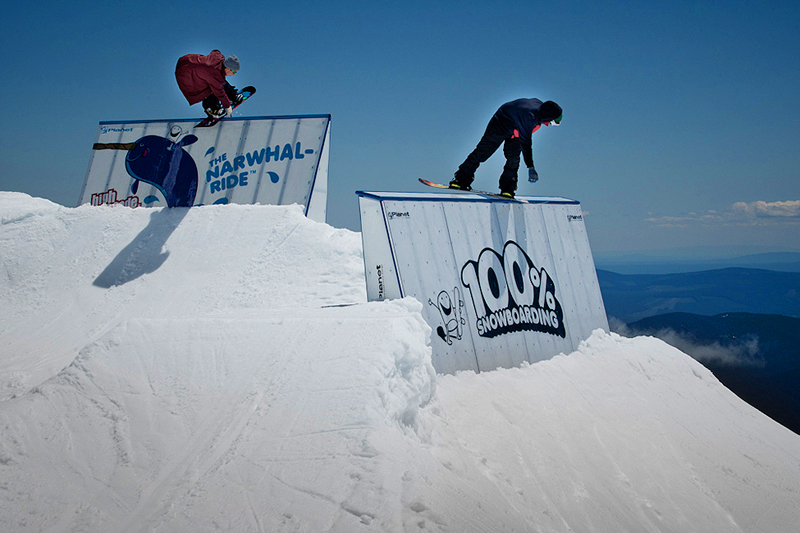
[[246, 93], [482, 193]]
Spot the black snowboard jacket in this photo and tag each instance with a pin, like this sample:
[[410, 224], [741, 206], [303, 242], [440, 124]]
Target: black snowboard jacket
[[520, 118]]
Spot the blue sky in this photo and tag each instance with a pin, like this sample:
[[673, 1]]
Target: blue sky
[[681, 120]]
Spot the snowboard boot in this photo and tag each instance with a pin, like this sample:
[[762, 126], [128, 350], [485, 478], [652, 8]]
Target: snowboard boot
[[462, 185], [507, 194]]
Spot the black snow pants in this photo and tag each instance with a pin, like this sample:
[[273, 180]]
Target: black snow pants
[[495, 135], [212, 102]]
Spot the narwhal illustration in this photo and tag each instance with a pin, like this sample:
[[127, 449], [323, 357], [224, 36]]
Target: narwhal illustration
[[162, 163]]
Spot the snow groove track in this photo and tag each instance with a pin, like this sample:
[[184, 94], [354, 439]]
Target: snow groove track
[[166, 423]]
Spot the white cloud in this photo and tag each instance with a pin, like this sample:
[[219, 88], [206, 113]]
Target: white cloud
[[741, 213], [790, 208], [745, 352]]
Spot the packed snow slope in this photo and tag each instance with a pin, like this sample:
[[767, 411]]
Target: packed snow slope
[[218, 369]]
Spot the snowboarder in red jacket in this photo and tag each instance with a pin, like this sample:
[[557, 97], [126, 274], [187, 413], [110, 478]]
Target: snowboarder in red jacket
[[202, 78], [513, 126]]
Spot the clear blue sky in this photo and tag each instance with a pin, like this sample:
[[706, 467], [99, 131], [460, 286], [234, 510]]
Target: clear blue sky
[[679, 117]]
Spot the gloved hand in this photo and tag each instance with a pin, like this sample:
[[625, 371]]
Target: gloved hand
[[228, 111], [533, 176]]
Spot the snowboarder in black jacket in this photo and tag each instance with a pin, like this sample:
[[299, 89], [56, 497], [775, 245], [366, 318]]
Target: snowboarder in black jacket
[[513, 124]]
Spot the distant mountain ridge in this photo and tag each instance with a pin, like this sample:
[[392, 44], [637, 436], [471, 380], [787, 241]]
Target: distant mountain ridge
[[630, 297], [642, 263]]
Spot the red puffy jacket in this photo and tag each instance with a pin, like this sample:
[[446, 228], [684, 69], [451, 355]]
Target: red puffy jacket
[[201, 76]]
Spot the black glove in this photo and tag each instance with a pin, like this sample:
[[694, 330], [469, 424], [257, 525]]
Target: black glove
[[533, 176]]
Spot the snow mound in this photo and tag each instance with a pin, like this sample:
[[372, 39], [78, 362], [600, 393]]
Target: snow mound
[[622, 435], [71, 275]]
